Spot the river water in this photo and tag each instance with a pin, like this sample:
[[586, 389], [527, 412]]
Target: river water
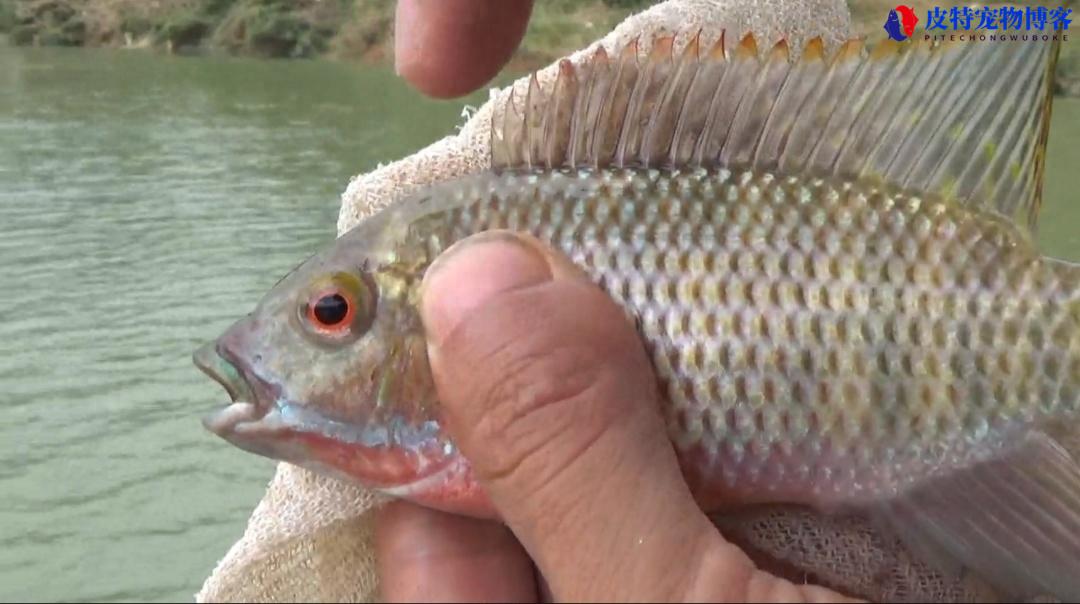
[[145, 203]]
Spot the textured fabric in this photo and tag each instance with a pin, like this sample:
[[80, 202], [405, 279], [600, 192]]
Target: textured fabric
[[310, 537]]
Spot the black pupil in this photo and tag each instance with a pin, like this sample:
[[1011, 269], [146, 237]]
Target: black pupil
[[331, 309]]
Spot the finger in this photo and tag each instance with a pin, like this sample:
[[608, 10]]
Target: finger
[[548, 392], [448, 48], [429, 556]]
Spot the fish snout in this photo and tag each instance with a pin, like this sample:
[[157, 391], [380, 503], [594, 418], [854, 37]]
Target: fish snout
[[228, 361], [234, 361], [221, 370]]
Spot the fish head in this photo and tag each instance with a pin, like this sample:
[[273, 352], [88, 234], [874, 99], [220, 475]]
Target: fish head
[[330, 372]]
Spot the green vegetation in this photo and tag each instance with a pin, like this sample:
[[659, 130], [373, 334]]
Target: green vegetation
[[351, 29], [561, 26], [48, 23], [1069, 70], [7, 16], [275, 28], [268, 28]]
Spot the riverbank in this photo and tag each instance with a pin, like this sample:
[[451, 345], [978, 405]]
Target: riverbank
[[346, 29]]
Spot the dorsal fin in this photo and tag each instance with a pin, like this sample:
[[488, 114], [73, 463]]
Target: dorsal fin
[[967, 120]]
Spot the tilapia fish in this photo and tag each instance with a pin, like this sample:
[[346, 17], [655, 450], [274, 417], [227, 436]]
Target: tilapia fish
[[829, 257]]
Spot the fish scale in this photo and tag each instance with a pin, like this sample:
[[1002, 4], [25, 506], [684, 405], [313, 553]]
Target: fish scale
[[830, 262], [794, 320]]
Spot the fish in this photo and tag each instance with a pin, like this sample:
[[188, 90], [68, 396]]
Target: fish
[[830, 258], [893, 27]]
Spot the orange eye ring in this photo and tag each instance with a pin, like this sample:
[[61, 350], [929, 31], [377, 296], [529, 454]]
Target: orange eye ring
[[337, 308], [331, 311]]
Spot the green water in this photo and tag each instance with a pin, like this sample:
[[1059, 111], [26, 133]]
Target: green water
[[145, 203]]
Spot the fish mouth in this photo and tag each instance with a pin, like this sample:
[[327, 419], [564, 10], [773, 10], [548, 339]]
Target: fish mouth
[[213, 364], [260, 419], [251, 399]]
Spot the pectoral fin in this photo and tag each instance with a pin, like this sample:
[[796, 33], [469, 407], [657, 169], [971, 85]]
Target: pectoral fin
[[1013, 519]]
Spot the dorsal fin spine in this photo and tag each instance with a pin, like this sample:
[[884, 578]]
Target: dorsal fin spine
[[915, 116], [578, 130], [846, 72], [880, 152], [533, 117], [1012, 82], [864, 104], [761, 151], [795, 94], [869, 136], [674, 157], [913, 147], [630, 139], [926, 166], [615, 106], [668, 112], [748, 126], [1044, 135], [698, 155], [673, 71], [580, 133]]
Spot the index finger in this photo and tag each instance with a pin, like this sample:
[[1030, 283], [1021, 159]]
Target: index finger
[[448, 48]]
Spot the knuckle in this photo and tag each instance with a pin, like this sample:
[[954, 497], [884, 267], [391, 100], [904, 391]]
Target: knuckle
[[723, 573], [763, 587]]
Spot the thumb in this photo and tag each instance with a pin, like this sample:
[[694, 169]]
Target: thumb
[[548, 392]]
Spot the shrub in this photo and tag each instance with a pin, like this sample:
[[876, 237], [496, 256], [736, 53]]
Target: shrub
[[48, 22], [7, 16]]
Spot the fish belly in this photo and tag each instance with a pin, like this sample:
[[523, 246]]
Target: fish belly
[[818, 341]]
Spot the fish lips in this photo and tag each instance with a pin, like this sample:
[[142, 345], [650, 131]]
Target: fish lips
[[213, 362], [252, 418], [261, 420]]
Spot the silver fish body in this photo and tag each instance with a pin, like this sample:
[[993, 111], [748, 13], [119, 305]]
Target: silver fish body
[[819, 341], [831, 263]]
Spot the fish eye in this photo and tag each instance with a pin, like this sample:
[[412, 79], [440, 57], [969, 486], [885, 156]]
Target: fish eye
[[331, 310], [338, 306]]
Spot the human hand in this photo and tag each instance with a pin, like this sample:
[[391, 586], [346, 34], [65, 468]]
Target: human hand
[[548, 392], [448, 48]]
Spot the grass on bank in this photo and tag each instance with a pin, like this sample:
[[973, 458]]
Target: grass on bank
[[275, 28], [358, 29]]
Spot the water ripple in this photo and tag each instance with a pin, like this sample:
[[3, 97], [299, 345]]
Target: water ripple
[[145, 204]]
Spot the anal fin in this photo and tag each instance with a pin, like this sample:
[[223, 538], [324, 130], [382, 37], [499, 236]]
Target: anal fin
[[1014, 519]]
